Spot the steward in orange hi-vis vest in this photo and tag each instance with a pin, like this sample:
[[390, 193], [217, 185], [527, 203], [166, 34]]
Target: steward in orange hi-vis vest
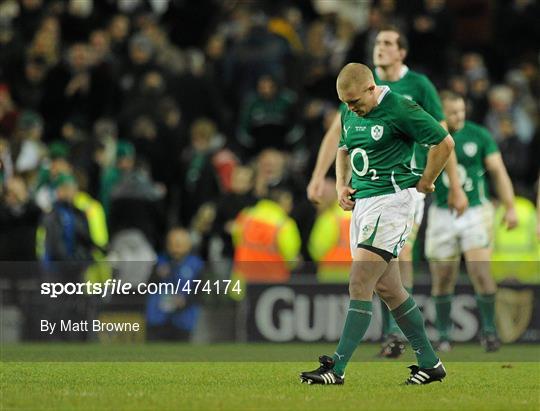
[[267, 242]]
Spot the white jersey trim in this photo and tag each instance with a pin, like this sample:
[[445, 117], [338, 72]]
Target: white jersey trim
[[385, 91]]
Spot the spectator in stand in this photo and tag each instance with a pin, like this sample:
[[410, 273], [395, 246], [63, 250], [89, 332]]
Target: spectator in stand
[[198, 182], [124, 163], [29, 83], [517, 30], [515, 154], [134, 200], [229, 205], [29, 150], [105, 73], [318, 79], [141, 61], [364, 41], [522, 91], [503, 106], [270, 170], [268, 118], [68, 93], [431, 29], [77, 20], [119, 28], [174, 316], [255, 52], [19, 218], [66, 233], [56, 163], [8, 112], [47, 41], [12, 49], [29, 18], [67, 247]]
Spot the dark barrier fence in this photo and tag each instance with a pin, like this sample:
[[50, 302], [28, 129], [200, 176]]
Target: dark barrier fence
[[316, 312]]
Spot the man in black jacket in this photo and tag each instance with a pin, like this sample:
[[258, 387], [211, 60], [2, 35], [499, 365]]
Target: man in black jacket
[[67, 253]]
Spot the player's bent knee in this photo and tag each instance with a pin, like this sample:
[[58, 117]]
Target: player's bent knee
[[392, 296], [484, 282], [360, 290]]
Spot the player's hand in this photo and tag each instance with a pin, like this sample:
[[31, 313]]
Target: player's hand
[[510, 219], [457, 200], [315, 189], [344, 197], [424, 186]]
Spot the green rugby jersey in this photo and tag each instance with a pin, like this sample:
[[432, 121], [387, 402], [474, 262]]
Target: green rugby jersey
[[380, 143], [419, 88], [473, 143]]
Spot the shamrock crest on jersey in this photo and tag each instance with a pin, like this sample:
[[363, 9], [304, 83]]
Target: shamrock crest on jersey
[[470, 149], [377, 132]]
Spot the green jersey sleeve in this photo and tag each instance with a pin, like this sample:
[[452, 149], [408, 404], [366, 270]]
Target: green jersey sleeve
[[489, 145], [431, 101], [419, 125]]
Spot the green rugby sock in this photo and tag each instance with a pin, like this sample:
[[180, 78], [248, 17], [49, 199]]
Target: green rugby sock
[[443, 321], [486, 306], [409, 319], [389, 323], [356, 324]]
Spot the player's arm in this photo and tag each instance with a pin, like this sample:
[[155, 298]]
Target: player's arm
[[457, 199], [420, 126], [325, 158], [343, 176], [503, 185], [438, 156]]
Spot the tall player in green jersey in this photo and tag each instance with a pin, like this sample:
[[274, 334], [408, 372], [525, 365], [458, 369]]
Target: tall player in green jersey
[[376, 147], [388, 55], [448, 236]]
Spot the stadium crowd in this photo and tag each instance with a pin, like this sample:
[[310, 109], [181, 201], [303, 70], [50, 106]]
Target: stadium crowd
[[123, 119]]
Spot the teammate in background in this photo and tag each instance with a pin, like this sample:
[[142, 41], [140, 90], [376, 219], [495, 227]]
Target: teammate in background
[[448, 235], [376, 147], [390, 50]]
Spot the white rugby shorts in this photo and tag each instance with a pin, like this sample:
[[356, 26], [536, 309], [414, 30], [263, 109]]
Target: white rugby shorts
[[447, 236], [383, 222]]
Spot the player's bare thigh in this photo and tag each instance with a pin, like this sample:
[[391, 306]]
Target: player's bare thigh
[[366, 269]]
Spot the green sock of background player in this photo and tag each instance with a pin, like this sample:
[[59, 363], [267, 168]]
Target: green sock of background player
[[443, 321], [486, 306]]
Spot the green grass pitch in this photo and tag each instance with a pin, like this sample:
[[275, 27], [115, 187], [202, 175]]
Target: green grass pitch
[[255, 377]]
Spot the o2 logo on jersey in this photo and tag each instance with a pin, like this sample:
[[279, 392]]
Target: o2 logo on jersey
[[464, 179], [470, 149], [358, 153], [377, 132]]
